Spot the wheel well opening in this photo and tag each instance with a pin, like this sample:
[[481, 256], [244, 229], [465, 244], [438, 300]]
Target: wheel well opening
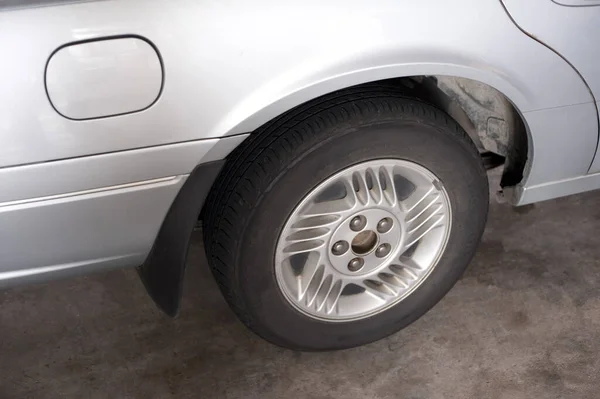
[[490, 119], [493, 120]]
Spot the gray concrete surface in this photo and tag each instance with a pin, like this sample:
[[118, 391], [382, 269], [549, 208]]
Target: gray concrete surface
[[524, 322]]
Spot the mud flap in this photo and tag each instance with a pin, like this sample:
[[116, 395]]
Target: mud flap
[[162, 272]]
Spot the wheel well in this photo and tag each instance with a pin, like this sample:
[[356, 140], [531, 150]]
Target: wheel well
[[492, 119], [489, 118]]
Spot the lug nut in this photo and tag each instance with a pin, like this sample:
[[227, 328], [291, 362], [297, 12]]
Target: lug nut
[[358, 223], [339, 248], [356, 264], [384, 225], [383, 250]]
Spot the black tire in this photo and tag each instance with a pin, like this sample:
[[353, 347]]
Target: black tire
[[278, 165]]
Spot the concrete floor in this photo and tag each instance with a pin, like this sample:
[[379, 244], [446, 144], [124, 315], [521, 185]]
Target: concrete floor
[[524, 322]]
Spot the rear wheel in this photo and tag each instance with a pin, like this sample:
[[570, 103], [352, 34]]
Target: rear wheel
[[345, 221]]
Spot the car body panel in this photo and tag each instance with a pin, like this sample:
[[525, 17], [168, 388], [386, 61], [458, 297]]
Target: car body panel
[[554, 162], [573, 32], [229, 67], [30, 182], [238, 81], [99, 229]]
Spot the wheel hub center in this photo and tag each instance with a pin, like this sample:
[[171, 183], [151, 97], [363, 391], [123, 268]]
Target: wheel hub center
[[364, 242]]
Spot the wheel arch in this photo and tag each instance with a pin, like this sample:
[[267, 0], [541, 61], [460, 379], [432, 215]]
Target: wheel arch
[[277, 97], [456, 89]]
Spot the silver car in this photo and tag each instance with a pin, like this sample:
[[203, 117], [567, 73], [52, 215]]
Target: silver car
[[335, 151]]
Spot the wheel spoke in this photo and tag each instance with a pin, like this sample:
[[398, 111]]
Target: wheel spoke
[[314, 283], [373, 186], [423, 206], [403, 273], [409, 263], [417, 198], [336, 208], [436, 220], [379, 288], [303, 246], [426, 213], [315, 221], [323, 292], [393, 279], [386, 180], [361, 191], [303, 235], [426, 217], [333, 297], [306, 272]]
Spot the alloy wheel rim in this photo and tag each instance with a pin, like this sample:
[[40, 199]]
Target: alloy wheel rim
[[363, 240]]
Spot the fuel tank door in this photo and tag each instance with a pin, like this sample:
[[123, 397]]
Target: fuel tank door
[[104, 77]]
